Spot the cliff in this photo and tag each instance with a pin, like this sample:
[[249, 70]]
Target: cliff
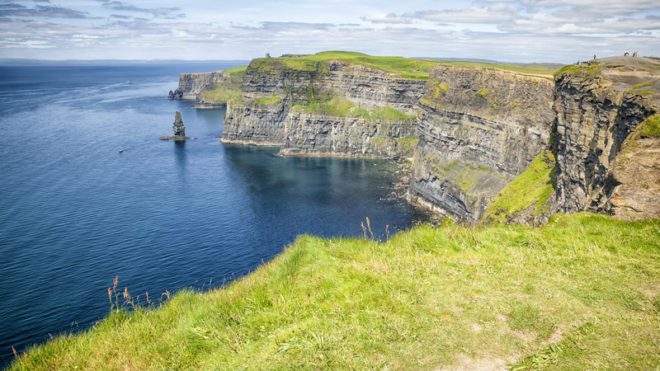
[[333, 103], [191, 85], [208, 86], [479, 128], [488, 142], [597, 107]]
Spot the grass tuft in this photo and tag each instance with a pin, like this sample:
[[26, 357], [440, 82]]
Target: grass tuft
[[651, 127]]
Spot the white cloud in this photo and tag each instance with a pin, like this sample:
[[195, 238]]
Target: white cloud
[[524, 30]]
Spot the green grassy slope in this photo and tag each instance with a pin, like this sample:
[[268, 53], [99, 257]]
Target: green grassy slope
[[529, 191], [577, 293], [229, 90], [345, 108], [529, 69], [398, 66]]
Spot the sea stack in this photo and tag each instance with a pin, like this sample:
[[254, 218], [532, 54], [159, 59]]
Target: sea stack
[[178, 128]]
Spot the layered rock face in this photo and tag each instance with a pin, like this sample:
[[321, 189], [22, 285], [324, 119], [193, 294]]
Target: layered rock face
[[303, 133], [597, 108], [469, 130], [372, 88], [478, 130], [191, 85], [255, 124], [634, 186], [308, 134]]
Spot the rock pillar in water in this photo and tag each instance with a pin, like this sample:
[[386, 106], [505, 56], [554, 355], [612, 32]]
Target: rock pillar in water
[[178, 127]]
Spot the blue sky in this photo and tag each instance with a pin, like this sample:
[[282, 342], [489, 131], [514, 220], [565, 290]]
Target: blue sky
[[522, 30]]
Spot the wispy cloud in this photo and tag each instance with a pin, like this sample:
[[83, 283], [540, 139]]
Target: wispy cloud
[[42, 11], [514, 30], [160, 12]]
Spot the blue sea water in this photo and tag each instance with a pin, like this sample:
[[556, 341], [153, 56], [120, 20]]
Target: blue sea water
[[88, 191]]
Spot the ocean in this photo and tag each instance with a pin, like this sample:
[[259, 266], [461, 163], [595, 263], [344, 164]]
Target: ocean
[[89, 192]]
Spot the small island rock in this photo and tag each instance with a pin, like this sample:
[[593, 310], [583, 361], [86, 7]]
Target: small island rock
[[178, 129]]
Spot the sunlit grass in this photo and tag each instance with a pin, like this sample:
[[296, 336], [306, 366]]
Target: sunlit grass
[[578, 293], [339, 107], [530, 189]]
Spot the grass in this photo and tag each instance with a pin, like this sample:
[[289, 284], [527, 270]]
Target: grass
[[268, 101], [404, 146], [228, 90], [339, 107], [483, 92], [577, 293], [238, 70], [584, 70], [222, 94], [524, 69], [399, 66], [464, 175], [651, 127], [530, 190]]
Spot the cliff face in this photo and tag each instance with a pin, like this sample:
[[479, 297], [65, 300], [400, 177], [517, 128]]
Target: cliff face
[[479, 129], [324, 108], [191, 85], [372, 88], [472, 131], [255, 124], [597, 108], [309, 134], [635, 178]]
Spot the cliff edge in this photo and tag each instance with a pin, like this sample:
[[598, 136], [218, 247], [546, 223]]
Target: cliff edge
[[490, 142]]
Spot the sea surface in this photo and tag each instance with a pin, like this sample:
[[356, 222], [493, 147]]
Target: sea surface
[[89, 192]]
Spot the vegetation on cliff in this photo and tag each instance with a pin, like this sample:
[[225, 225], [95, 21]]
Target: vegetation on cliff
[[398, 66], [651, 127], [345, 108], [529, 191], [577, 293], [545, 70], [228, 90]]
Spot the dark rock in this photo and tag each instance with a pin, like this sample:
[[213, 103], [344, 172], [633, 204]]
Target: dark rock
[[178, 128], [176, 94]]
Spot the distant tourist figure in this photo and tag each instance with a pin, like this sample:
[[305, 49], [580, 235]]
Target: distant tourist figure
[[594, 56], [626, 54], [267, 55], [634, 54]]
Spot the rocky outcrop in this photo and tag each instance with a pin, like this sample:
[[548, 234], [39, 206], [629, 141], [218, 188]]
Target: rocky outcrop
[[371, 88], [310, 134], [298, 132], [634, 179], [478, 130], [177, 94], [191, 85], [178, 129], [470, 130], [597, 107], [252, 123]]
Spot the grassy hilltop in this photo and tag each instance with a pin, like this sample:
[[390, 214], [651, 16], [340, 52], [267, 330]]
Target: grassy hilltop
[[397, 66], [579, 292]]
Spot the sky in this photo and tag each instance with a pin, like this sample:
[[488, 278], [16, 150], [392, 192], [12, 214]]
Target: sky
[[560, 31]]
